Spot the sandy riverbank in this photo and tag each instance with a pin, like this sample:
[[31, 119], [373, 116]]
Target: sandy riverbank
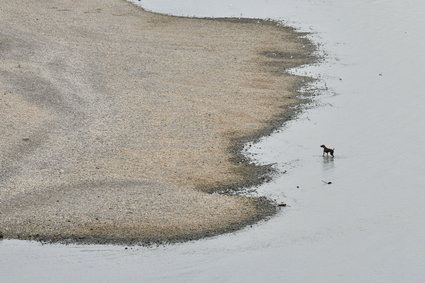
[[119, 122]]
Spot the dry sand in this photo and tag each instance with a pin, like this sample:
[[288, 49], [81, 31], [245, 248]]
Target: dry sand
[[117, 123]]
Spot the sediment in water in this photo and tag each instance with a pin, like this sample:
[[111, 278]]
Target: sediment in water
[[121, 123]]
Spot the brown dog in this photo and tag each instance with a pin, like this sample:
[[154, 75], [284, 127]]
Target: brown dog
[[327, 150]]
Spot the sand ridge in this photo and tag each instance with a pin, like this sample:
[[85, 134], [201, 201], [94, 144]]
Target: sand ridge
[[118, 121]]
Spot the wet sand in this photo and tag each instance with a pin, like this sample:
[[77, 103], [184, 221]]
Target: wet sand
[[118, 124]]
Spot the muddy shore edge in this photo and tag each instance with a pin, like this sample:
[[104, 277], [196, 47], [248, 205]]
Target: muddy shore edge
[[55, 224]]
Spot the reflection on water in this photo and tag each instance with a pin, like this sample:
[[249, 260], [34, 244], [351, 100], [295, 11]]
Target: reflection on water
[[328, 163]]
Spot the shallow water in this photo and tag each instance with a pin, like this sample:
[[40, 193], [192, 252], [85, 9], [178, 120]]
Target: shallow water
[[367, 226]]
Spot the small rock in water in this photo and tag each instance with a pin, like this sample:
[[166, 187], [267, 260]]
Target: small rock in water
[[282, 204]]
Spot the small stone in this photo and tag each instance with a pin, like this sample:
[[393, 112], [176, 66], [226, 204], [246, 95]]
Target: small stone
[[282, 204], [25, 139]]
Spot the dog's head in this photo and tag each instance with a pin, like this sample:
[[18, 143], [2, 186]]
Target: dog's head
[[323, 146]]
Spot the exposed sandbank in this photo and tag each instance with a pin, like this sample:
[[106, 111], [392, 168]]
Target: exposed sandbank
[[118, 122]]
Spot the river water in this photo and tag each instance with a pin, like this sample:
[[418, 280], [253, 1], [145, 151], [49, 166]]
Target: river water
[[367, 226]]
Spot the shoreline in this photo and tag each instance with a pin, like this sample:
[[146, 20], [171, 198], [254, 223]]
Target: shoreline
[[244, 211]]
